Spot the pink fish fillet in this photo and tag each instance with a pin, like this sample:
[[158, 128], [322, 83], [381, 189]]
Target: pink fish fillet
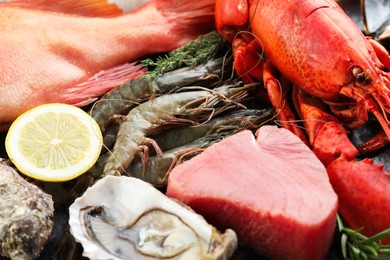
[[273, 192], [73, 57]]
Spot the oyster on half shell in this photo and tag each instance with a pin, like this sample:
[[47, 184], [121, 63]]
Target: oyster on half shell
[[123, 217]]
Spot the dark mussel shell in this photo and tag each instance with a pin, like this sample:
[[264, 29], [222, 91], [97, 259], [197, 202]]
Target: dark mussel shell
[[372, 17]]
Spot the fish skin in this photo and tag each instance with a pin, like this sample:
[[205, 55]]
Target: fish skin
[[93, 8], [128, 6], [44, 53], [97, 8]]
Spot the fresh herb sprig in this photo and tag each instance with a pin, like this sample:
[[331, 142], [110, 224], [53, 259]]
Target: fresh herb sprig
[[203, 48], [355, 246]]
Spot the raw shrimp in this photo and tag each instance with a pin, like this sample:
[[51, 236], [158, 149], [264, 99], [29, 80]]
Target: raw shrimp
[[151, 117], [128, 95], [235, 120], [192, 140], [109, 136], [176, 140]]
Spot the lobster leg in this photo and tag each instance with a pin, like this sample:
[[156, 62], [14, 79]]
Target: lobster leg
[[374, 144], [277, 92], [232, 22], [248, 59], [381, 139], [357, 115], [328, 138], [381, 53]]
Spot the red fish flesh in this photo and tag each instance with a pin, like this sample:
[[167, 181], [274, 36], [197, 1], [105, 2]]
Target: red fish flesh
[[272, 191], [79, 54]]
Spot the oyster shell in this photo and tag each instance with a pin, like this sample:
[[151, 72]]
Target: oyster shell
[[123, 217], [26, 216]]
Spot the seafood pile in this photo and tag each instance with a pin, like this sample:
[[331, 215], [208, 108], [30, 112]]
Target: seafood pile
[[157, 113], [170, 117], [338, 79], [175, 124]]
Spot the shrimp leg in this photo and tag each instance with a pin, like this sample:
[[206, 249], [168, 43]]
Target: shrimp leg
[[158, 167]]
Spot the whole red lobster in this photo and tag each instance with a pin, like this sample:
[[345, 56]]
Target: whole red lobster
[[332, 66]]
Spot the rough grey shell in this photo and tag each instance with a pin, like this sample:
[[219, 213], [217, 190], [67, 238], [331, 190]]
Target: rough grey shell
[[123, 217], [26, 216]]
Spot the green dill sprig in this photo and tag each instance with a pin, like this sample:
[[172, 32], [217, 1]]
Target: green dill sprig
[[355, 246], [196, 52]]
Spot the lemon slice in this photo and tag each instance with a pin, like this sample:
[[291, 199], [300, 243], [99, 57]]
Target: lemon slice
[[54, 142]]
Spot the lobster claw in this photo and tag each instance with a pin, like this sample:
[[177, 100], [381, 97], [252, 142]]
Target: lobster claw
[[364, 194], [231, 19], [327, 136], [332, 142], [363, 188]]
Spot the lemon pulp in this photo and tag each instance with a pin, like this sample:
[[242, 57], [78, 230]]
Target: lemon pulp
[[54, 142]]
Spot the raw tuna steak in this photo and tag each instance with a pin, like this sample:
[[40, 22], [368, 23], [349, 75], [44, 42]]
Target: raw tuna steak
[[273, 192]]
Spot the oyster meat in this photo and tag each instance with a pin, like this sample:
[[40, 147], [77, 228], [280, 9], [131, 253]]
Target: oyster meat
[[26, 216], [122, 217]]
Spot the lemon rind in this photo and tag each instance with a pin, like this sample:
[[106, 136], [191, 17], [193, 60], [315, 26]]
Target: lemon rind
[[53, 175]]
